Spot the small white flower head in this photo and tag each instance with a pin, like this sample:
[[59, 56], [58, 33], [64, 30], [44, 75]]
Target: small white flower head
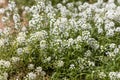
[[93, 43], [58, 42], [20, 51], [4, 19], [31, 76], [5, 64], [60, 63], [88, 53], [90, 63], [43, 73], [85, 35], [110, 14], [24, 29], [38, 70], [111, 54], [70, 42], [112, 75], [112, 45], [37, 36], [21, 40], [43, 44], [116, 50], [2, 10], [31, 66], [7, 31], [100, 30], [72, 66], [11, 5], [102, 75], [110, 33], [27, 8], [79, 39], [5, 76], [117, 29], [119, 46], [48, 59], [84, 27], [15, 59], [41, 35], [118, 75], [26, 50], [59, 5], [16, 18]]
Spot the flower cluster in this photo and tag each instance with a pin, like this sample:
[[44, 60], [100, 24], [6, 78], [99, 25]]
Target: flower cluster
[[69, 41]]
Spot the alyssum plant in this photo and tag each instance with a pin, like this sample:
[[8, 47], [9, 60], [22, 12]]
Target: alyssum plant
[[67, 41]]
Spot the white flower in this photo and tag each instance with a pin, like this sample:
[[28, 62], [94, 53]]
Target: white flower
[[114, 75], [5, 64], [43, 73], [79, 39], [60, 63], [19, 51], [119, 46], [118, 75], [11, 5], [59, 5], [112, 45], [5, 75], [27, 8], [110, 33], [70, 42], [16, 18], [72, 66], [117, 29], [88, 53], [38, 70], [31, 76], [43, 44], [100, 30], [15, 59], [31, 66], [116, 50], [111, 54], [7, 31], [93, 43], [91, 63], [21, 39], [85, 35], [4, 19], [102, 75], [2, 10], [48, 59]]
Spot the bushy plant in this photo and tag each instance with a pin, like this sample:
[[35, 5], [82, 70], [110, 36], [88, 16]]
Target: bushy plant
[[64, 41]]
